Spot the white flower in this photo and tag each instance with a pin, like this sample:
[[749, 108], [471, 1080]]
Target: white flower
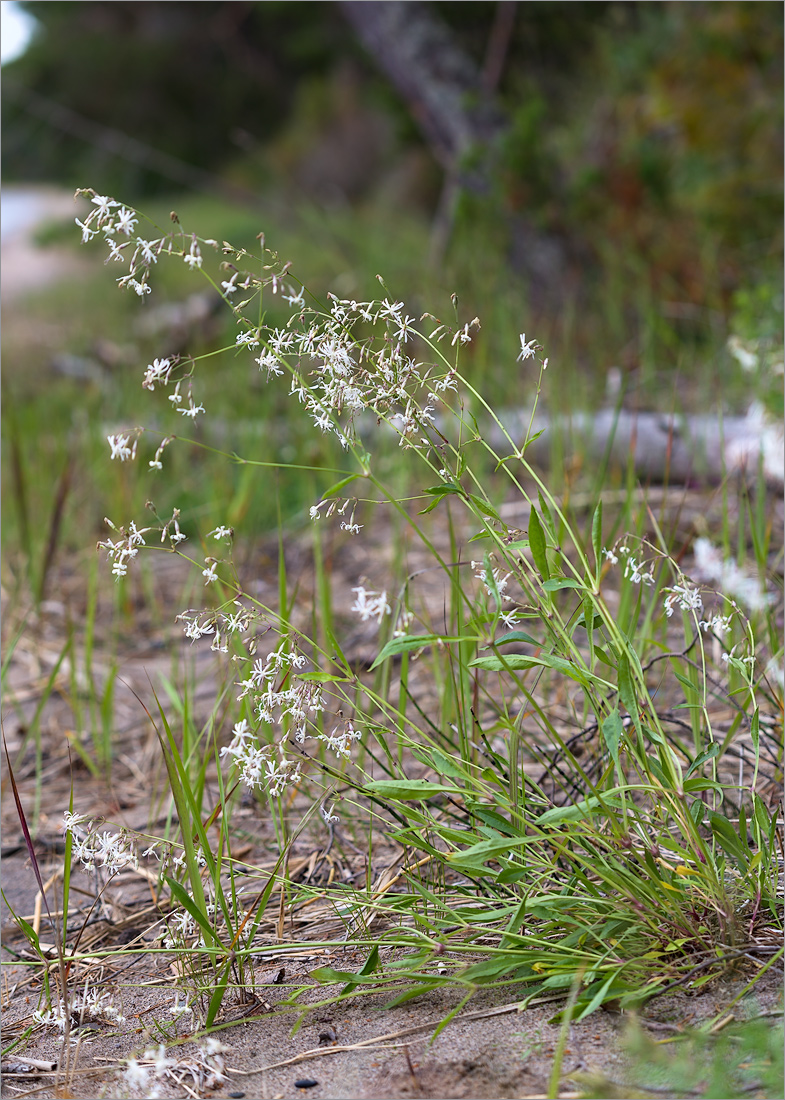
[[228, 287], [610, 556], [210, 573], [329, 817], [178, 1010], [221, 533], [391, 310], [146, 248], [87, 232], [194, 257], [370, 604], [140, 288], [122, 447], [249, 338], [104, 204], [404, 329], [527, 349], [115, 251], [192, 409], [158, 371], [125, 221], [632, 571], [194, 630], [295, 298], [688, 599], [718, 623]]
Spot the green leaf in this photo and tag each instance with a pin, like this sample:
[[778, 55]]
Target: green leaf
[[589, 622], [187, 902], [335, 489], [596, 536], [401, 790], [627, 691], [755, 730], [576, 811], [514, 663], [612, 732], [370, 965], [699, 784], [493, 818], [546, 515], [729, 840], [327, 976], [446, 765], [605, 657], [408, 642], [608, 990], [518, 663], [444, 489], [516, 636], [708, 754], [484, 507], [322, 678], [530, 440], [477, 855], [557, 583], [438, 492], [537, 545], [218, 994], [589, 615]]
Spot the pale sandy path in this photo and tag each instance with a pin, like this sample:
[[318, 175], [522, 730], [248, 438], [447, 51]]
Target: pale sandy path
[[26, 266]]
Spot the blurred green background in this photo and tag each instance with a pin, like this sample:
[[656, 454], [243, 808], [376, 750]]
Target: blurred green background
[[623, 206]]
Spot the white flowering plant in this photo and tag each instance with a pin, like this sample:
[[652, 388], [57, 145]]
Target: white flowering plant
[[567, 761]]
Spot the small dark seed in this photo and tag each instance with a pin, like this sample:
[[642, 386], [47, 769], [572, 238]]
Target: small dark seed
[[236, 1095], [305, 1083]]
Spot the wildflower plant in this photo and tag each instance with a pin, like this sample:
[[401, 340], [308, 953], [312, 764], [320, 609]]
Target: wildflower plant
[[608, 843]]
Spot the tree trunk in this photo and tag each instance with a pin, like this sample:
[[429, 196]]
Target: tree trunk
[[453, 103], [441, 85]]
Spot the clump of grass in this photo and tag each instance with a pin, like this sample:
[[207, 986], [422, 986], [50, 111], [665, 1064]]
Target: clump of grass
[[547, 742]]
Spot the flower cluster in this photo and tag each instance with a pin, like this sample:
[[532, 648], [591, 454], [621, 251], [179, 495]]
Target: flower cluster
[[684, 597], [126, 548], [349, 374], [206, 1070], [88, 1007], [257, 765], [112, 851]]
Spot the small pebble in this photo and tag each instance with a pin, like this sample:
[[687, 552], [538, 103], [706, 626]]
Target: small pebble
[[305, 1083]]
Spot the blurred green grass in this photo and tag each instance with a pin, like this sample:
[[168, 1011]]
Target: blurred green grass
[[54, 423]]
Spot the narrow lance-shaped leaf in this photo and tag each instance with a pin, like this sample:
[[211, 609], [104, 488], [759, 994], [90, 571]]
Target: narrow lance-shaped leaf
[[538, 546], [596, 537]]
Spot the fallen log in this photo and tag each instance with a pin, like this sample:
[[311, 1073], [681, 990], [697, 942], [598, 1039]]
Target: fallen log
[[664, 447]]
